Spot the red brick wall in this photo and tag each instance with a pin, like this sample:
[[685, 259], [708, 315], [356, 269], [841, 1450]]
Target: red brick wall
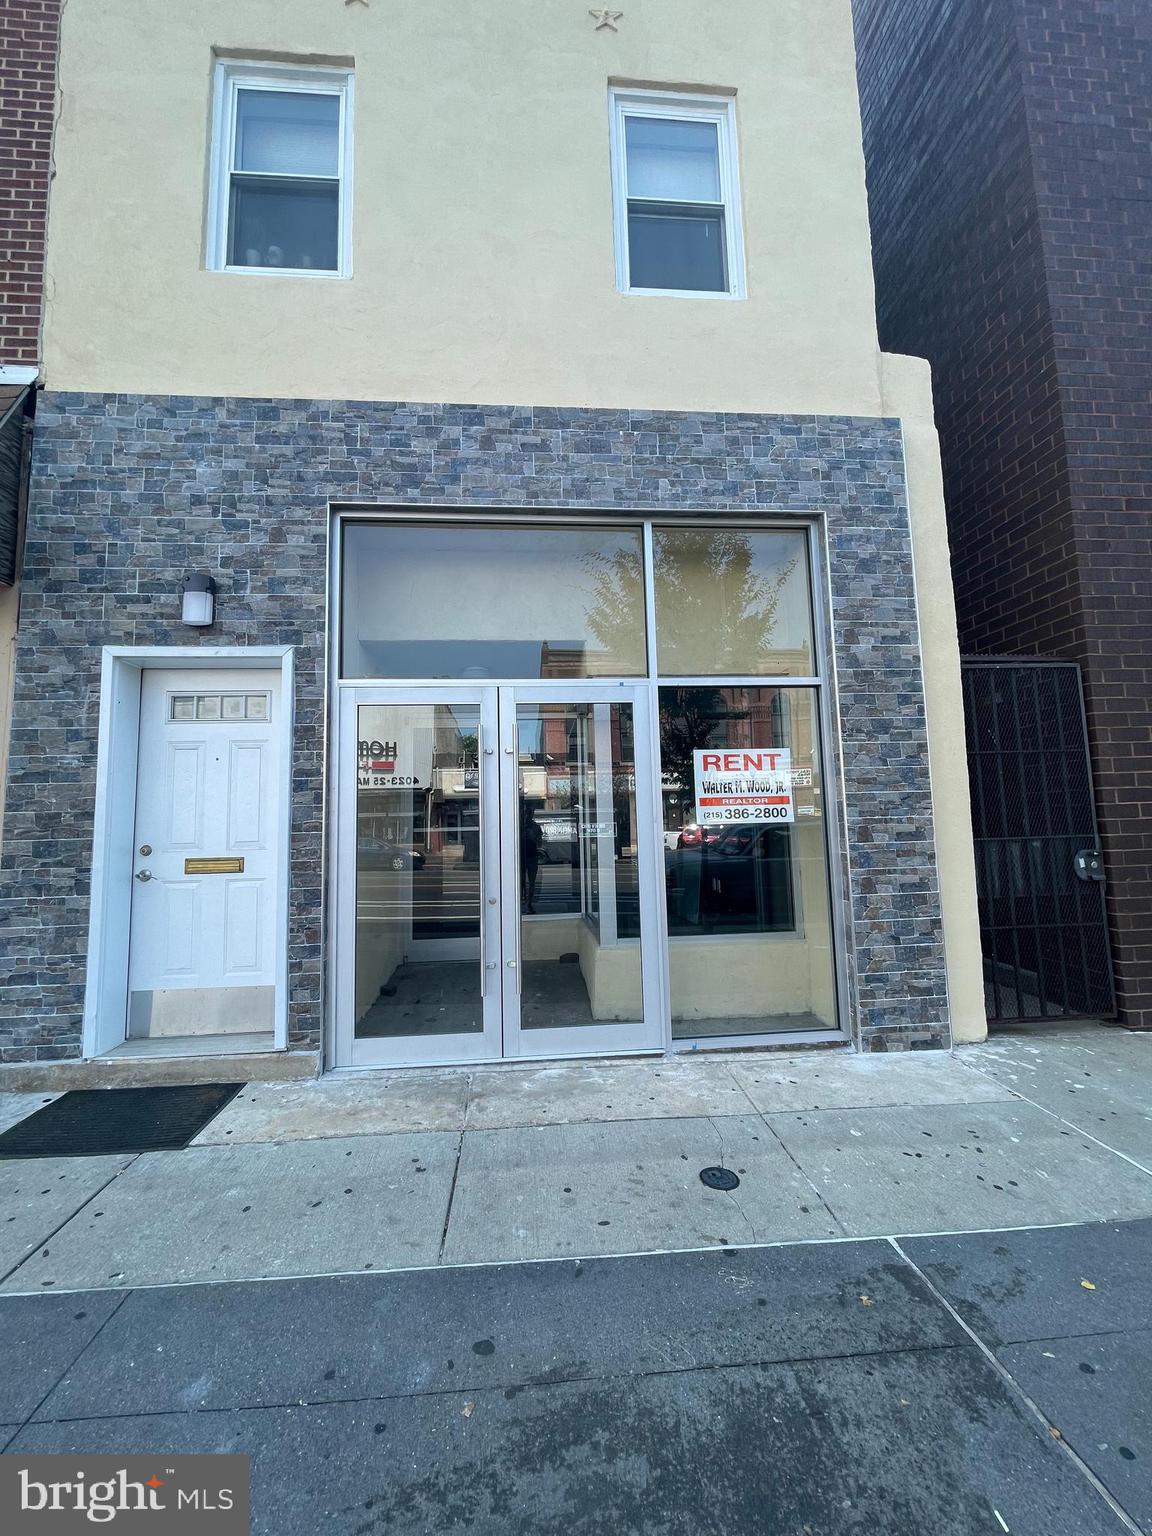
[[29, 32], [1009, 179], [1087, 72]]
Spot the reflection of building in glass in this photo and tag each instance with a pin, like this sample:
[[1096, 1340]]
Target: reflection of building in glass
[[426, 793]]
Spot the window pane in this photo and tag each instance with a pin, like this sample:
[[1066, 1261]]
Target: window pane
[[672, 159], [418, 903], [288, 133], [670, 247], [745, 861], [732, 601], [284, 224], [473, 602], [577, 855]]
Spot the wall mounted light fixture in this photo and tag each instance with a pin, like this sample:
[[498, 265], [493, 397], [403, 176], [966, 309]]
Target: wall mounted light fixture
[[198, 600]]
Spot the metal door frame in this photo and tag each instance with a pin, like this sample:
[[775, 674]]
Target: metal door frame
[[501, 1037], [651, 1033], [415, 1050]]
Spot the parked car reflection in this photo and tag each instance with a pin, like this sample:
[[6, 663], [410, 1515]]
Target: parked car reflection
[[730, 878], [375, 853]]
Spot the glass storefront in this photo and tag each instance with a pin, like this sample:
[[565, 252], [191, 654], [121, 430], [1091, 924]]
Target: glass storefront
[[418, 815], [428, 600], [576, 836], [531, 783], [749, 918]]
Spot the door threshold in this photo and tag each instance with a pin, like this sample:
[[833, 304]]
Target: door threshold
[[698, 1045], [194, 1045], [762, 1044], [505, 1063]]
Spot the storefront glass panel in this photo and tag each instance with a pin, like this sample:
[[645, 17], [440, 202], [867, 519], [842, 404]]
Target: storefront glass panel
[[745, 863], [418, 875], [428, 601], [732, 601], [578, 850], [514, 818]]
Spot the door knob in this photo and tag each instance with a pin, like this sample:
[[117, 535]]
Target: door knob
[[144, 874], [1088, 864]]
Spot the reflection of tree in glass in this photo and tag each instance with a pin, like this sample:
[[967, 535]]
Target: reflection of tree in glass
[[688, 717], [715, 603], [720, 612]]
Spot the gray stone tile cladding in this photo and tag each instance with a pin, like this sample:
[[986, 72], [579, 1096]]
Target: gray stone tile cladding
[[131, 492]]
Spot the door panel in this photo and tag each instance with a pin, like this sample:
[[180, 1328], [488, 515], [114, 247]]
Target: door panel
[[425, 986], [242, 902], [181, 907], [185, 792], [246, 806], [576, 854], [202, 952], [580, 971]]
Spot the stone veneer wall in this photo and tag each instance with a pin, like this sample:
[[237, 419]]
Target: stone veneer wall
[[131, 492]]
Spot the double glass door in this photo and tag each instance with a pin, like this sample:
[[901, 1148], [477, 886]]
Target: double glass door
[[497, 873]]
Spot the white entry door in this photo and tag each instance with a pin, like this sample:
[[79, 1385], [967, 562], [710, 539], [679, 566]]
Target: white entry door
[[202, 955]]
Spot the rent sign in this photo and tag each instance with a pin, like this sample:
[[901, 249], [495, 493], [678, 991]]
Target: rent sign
[[745, 784]]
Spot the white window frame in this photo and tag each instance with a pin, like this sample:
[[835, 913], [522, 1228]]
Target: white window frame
[[720, 110], [230, 78]]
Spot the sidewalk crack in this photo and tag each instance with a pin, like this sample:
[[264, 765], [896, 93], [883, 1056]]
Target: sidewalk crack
[[804, 1174], [96, 1193], [1014, 1386], [81, 1352], [451, 1197], [731, 1193]]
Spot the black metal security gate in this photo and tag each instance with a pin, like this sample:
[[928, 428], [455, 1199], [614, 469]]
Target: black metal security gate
[[1039, 875]]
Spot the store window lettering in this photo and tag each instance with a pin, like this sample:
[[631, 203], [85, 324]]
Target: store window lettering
[[380, 755]]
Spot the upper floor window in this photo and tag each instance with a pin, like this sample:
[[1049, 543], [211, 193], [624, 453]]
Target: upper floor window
[[677, 194], [281, 171]]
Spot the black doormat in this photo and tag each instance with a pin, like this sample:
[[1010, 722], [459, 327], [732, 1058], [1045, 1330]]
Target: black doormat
[[90, 1121]]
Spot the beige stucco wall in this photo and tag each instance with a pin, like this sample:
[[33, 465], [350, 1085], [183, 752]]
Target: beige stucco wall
[[483, 262], [482, 247], [908, 394]]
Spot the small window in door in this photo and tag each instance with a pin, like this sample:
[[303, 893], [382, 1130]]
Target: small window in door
[[225, 707]]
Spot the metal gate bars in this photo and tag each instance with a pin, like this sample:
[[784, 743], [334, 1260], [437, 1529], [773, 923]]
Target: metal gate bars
[[1039, 875]]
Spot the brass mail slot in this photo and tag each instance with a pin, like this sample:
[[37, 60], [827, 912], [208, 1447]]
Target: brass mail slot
[[213, 866]]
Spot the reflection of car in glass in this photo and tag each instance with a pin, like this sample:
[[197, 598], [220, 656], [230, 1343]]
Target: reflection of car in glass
[[736, 874], [375, 853], [749, 870], [692, 835]]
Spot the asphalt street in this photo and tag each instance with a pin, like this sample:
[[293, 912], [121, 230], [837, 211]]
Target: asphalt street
[[933, 1386]]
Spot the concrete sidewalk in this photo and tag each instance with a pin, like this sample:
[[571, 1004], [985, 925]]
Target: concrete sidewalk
[[972, 1385], [412, 1169]]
